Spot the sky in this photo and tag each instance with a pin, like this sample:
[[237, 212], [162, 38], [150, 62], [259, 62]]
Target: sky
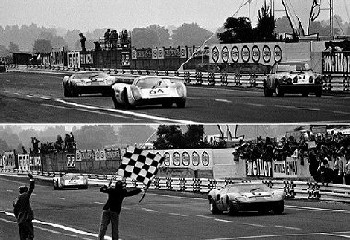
[[87, 15]]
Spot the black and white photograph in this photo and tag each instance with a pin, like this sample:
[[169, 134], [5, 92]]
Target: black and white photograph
[[174, 119]]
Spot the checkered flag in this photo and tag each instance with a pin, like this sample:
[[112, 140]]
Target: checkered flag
[[139, 165]]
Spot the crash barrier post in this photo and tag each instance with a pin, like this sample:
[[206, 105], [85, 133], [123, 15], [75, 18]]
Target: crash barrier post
[[211, 79], [313, 191], [289, 189], [223, 79], [199, 78], [268, 183], [252, 80], [346, 83], [187, 77]]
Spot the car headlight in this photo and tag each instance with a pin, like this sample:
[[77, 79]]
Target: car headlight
[[136, 93], [180, 90]]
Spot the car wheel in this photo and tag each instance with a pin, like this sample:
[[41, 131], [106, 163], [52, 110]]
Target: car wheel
[[278, 208], [167, 105], [267, 92], [181, 103], [232, 208], [318, 93], [115, 101], [279, 91], [305, 94], [66, 93], [213, 208]]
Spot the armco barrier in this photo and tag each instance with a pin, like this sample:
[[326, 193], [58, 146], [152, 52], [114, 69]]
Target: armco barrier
[[293, 189], [336, 83]]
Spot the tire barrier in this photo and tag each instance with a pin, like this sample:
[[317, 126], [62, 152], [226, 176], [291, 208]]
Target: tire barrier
[[313, 191], [199, 78], [346, 83], [223, 79], [211, 79]]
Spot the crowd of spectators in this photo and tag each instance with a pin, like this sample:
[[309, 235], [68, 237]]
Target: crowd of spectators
[[328, 154]]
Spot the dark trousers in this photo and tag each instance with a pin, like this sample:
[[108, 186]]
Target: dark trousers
[[26, 230], [347, 179], [106, 218]]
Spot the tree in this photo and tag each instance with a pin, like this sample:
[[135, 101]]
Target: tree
[[42, 46], [190, 35], [131, 134], [13, 47], [168, 137], [152, 36], [236, 30], [3, 146], [194, 136], [266, 24], [95, 137]]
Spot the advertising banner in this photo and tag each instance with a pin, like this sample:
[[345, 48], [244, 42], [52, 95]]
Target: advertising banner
[[291, 166], [193, 158], [279, 168], [336, 62], [264, 53], [259, 167]]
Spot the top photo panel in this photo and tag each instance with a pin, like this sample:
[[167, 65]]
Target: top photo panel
[[175, 62]]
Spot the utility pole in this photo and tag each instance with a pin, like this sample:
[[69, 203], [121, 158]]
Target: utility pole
[[331, 22]]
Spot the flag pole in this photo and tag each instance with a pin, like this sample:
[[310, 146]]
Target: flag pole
[[144, 193]]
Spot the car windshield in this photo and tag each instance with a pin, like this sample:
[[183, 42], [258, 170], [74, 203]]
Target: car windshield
[[152, 82], [92, 75], [293, 67], [71, 177], [249, 188]]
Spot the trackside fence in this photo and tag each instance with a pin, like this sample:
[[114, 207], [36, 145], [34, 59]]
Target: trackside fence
[[292, 189], [331, 83]]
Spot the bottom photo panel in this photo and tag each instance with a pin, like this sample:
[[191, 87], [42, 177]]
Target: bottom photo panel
[[154, 181]]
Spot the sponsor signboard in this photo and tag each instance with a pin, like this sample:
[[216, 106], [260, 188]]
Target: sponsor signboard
[[335, 62], [259, 167], [264, 53], [183, 158]]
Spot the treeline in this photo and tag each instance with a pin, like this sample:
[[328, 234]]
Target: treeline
[[25, 38], [86, 137]]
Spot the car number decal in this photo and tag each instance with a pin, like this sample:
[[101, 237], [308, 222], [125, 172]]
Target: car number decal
[[156, 91]]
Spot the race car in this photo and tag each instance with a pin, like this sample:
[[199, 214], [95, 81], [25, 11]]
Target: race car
[[70, 180], [292, 77], [234, 198], [88, 82], [150, 90]]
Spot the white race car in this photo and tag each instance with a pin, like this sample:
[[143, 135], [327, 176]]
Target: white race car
[[234, 198], [150, 90], [88, 82], [292, 77], [70, 180]]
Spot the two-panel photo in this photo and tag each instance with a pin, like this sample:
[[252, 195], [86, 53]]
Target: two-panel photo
[[174, 119]]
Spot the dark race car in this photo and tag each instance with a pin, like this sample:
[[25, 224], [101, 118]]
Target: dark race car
[[88, 83]]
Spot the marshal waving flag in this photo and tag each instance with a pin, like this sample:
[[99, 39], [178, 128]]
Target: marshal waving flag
[[140, 165]]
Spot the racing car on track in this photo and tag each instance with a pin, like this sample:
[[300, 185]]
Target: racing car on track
[[150, 90], [292, 77], [87, 82], [234, 198], [70, 180]]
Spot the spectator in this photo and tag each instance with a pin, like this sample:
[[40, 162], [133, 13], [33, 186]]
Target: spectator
[[23, 211], [338, 170], [82, 42], [107, 36], [347, 172], [112, 208]]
